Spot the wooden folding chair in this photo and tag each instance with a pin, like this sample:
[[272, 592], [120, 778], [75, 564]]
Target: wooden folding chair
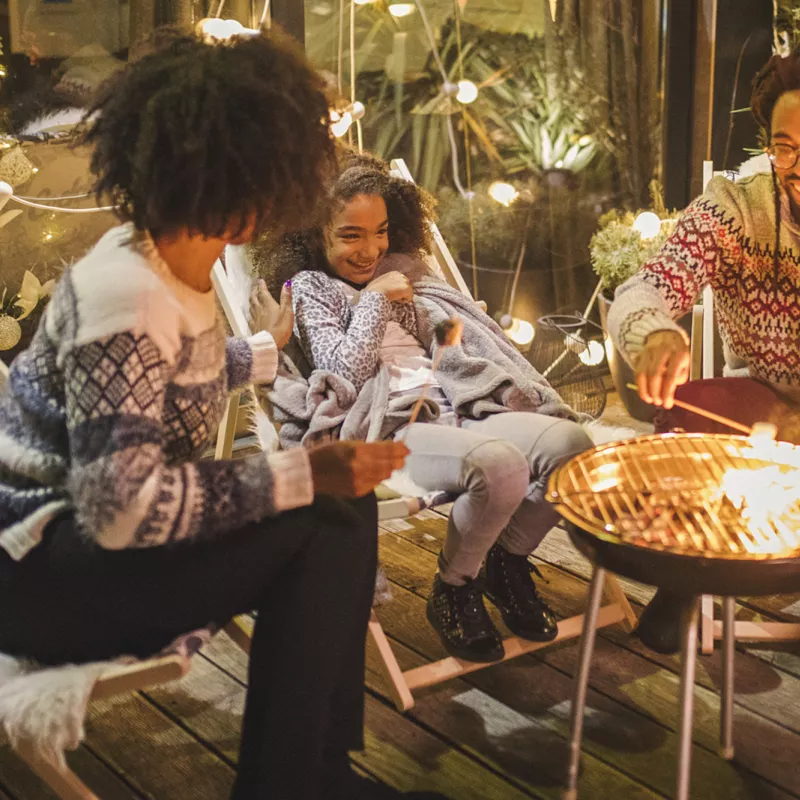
[[703, 348], [401, 685]]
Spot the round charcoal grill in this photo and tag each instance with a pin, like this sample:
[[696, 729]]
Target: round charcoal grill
[[693, 513]]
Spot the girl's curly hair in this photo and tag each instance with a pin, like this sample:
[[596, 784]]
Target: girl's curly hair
[[409, 207], [208, 136], [779, 75]]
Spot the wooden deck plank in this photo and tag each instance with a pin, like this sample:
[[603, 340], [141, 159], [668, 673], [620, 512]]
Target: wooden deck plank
[[159, 758], [518, 746], [210, 701], [710, 771], [24, 784], [759, 688]]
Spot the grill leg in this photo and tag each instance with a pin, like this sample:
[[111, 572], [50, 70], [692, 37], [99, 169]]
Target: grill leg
[[582, 681], [728, 653], [688, 657]]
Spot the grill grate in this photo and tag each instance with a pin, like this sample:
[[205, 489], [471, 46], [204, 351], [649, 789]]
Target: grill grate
[[673, 493]]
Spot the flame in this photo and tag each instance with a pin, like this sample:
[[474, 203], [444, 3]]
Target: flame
[[767, 497]]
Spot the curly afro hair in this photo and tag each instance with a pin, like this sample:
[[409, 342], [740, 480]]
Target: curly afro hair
[[779, 75], [211, 137], [410, 211]]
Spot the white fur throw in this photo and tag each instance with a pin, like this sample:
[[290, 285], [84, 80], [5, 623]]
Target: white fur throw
[[46, 708]]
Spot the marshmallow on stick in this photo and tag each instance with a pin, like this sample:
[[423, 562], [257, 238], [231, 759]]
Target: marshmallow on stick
[[448, 334]]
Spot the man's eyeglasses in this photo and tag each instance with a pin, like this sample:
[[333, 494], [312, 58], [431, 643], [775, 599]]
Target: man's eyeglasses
[[783, 156]]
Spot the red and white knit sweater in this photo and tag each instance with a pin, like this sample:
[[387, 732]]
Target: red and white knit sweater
[[725, 239]]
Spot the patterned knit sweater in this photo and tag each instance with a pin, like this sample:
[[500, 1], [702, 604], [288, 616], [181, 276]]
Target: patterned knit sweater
[[117, 397], [725, 239]]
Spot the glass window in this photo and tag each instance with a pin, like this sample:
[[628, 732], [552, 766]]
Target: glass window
[[528, 119]]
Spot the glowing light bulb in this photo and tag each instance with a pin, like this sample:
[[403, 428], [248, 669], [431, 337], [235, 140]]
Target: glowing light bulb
[[521, 332], [341, 122], [647, 224], [222, 29], [340, 126], [467, 92], [401, 9], [593, 354], [363, 2], [585, 140], [5, 193], [503, 193]]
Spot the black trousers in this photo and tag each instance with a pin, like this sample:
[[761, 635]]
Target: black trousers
[[308, 573]]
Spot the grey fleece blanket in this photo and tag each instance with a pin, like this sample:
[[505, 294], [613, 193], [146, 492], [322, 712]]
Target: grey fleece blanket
[[485, 375]]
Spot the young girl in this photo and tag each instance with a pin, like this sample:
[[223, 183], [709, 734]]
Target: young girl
[[114, 538], [359, 316]]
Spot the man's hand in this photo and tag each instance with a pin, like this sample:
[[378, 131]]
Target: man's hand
[[267, 315], [353, 469], [663, 365], [394, 286]]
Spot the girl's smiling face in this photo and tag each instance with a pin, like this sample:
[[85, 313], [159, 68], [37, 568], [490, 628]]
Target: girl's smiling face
[[357, 238]]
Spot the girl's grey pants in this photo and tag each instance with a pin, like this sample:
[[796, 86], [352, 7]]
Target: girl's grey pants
[[499, 466]]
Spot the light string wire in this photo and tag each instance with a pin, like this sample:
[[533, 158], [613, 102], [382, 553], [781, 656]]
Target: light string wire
[[44, 207], [467, 155], [359, 132], [264, 14], [449, 117]]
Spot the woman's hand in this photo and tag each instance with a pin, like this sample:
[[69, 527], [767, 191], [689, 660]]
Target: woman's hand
[[663, 365], [353, 469], [267, 315], [394, 286]]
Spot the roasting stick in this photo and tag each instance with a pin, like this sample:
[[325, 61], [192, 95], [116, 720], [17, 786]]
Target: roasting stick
[[731, 423], [448, 334]]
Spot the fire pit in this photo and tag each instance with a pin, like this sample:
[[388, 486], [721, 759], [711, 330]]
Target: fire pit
[[694, 513]]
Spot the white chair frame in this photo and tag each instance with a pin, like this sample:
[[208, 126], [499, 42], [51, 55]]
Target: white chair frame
[[703, 353], [401, 685]]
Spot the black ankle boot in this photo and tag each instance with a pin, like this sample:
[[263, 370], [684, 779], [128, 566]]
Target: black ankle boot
[[660, 625], [510, 587], [459, 617]]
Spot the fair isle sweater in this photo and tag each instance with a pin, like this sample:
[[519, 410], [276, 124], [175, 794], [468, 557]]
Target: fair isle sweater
[[119, 394], [725, 239]]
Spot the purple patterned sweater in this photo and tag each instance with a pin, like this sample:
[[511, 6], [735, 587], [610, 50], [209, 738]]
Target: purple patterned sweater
[[119, 394]]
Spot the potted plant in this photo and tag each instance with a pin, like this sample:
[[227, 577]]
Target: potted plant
[[623, 242]]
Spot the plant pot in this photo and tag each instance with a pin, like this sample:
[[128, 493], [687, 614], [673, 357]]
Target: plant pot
[[622, 374]]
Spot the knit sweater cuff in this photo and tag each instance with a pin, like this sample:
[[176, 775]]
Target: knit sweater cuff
[[634, 315], [265, 357], [293, 484]]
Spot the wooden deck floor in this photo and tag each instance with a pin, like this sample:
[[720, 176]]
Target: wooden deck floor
[[500, 733]]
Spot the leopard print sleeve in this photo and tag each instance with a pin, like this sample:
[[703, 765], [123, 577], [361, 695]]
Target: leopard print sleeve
[[334, 335]]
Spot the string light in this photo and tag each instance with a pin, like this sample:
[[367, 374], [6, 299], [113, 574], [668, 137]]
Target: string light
[[401, 9], [467, 92], [647, 224], [521, 332], [592, 354], [215, 29], [7, 193], [503, 193], [341, 121]]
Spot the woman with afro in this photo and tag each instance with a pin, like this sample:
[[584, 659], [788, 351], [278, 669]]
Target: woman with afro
[[356, 316], [115, 538], [743, 240]]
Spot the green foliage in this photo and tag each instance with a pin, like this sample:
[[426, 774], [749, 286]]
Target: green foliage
[[524, 120], [618, 250]]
